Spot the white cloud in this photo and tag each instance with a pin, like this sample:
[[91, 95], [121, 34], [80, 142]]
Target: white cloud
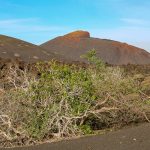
[[26, 25], [16, 21], [135, 21]]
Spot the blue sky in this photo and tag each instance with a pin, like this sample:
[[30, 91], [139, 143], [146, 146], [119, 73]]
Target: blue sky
[[37, 21]]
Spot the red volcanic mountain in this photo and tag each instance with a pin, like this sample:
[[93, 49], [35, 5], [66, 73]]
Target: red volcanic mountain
[[74, 44], [11, 48]]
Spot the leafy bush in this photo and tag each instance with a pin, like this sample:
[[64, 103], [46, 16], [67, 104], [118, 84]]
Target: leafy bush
[[65, 101]]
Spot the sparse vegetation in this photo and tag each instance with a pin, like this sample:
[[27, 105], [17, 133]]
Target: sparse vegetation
[[63, 101]]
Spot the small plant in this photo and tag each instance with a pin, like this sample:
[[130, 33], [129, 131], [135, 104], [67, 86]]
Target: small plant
[[86, 129], [93, 59]]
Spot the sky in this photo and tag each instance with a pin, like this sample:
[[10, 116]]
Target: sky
[[38, 21]]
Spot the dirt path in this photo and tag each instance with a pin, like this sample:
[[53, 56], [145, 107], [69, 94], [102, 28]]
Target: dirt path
[[134, 138]]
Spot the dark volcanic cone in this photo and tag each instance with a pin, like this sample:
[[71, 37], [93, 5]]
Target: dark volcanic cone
[[11, 48], [74, 44]]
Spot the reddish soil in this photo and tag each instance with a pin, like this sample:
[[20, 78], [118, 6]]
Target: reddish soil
[[75, 44], [133, 138]]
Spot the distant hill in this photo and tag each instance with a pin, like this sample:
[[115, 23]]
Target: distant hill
[[74, 44], [12, 48]]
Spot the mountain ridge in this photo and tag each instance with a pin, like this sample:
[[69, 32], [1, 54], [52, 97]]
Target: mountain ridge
[[77, 43], [13, 48]]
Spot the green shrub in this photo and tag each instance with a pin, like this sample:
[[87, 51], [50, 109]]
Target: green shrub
[[67, 100]]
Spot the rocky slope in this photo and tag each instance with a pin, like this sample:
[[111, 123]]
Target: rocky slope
[[11, 48], [74, 44]]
